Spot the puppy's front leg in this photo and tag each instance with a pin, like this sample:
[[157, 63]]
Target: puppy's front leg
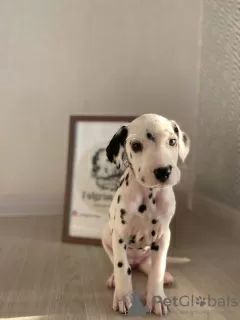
[[122, 273], [155, 291]]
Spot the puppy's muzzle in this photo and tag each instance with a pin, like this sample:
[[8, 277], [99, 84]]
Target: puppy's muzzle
[[163, 173]]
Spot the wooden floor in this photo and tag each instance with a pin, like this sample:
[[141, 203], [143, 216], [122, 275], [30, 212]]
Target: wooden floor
[[42, 278]]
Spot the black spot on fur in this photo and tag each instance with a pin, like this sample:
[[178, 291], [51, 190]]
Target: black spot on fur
[[119, 198], [153, 200], [141, 239], [142, 208], [129, 271], [176, 130], [154, 247], [120, 241], [140, 248], [139, 169], [143, 179], [132, 239], [153, 233], [154, 221], [118, 166], [123, 221], [125, 247], [150, 189], [126, 178], [150, 137], [121, 182], [122, 213], [114, 217], [116, 142], [120, 264], [150, 195]]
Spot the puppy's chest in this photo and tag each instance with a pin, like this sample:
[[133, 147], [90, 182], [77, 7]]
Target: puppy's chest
[[138, 202], [138, 217]]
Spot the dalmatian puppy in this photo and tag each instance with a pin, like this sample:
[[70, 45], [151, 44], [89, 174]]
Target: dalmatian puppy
[[138, 233]]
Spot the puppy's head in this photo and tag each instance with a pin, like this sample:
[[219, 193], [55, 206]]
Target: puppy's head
[[151, 145]]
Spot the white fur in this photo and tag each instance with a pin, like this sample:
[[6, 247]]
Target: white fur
[[139, 188]]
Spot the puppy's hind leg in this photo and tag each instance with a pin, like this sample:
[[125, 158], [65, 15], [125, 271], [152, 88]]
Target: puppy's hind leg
[[107, 241], [145, 267], [107, 245]]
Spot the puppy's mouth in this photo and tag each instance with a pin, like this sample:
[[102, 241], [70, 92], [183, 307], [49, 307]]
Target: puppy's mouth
[[154, 183], [145, 183], [157, 185]]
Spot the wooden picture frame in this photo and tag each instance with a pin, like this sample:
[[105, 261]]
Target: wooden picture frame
[[105, 127]]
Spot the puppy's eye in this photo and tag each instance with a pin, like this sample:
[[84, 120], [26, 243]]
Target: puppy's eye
[[172, 142], [137, 146]]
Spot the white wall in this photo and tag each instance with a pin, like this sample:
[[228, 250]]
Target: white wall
[[62, 57]]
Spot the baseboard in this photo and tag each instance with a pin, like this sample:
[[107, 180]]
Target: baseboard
[[28, 205], [218, 215]]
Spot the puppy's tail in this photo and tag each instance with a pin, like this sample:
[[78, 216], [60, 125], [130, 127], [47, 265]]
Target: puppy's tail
[[178, 260]]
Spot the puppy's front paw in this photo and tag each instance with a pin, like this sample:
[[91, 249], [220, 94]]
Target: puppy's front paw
[[168, 278], [122, 301], [156, 302]]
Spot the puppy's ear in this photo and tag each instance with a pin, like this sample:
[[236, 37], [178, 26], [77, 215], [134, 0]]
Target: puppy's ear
[[183, 141], [115, 149]]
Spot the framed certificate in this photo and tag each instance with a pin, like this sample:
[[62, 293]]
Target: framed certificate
[[91, 179]]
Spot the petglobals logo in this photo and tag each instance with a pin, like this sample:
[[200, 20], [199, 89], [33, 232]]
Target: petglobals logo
[[139, 309], [201, 301]]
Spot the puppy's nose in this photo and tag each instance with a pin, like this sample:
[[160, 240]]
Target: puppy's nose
[[163, 173]]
